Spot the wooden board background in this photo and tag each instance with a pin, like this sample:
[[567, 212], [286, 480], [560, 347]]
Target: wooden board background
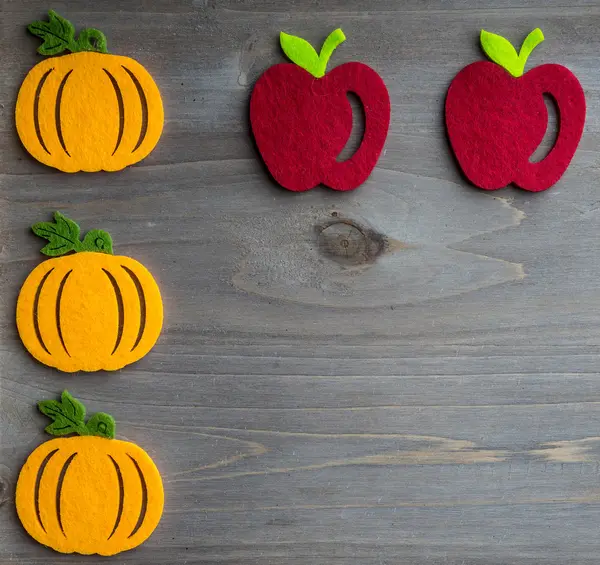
[[407, 373]]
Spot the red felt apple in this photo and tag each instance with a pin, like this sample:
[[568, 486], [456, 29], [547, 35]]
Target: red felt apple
[[496, 117], [301, 117]]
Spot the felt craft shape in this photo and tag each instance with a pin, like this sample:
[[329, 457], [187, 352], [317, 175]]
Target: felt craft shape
[[87, 111], [301, 118], [496, 117], [90, 310], [90, 493]]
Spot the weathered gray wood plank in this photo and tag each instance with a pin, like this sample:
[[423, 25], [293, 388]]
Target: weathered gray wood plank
[[430, 396]]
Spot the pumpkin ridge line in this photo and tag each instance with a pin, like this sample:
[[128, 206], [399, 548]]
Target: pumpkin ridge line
[[120, 308], [119, 94], [121, 496], [61, 288], [144, 103], [36, 110], [57, 118], [36, 304], [59, 486], [38, 482], [144, 504], [142, 299]]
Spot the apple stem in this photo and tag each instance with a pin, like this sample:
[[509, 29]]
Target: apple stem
[[531, 42], [334, 39]]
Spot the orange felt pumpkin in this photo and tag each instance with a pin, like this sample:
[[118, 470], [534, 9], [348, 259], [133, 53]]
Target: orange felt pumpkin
[[87, 111], [88, 311], [89, 493]]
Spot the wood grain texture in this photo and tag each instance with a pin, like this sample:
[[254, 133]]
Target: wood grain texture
[[407, 373]]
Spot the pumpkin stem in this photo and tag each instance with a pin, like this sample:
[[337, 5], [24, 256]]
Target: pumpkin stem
[[90, 39], [63, 235], [98, 241], [68, 415]]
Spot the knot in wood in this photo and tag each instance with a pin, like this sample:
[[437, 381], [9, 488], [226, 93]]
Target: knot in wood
[[348, 243]]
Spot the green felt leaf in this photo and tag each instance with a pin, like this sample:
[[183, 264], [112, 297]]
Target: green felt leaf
[[60, 428], [300, 52], [68, 417], [58, 35], [304, 55], [101, 424], [501, 51], [73, 408], [63, 235]]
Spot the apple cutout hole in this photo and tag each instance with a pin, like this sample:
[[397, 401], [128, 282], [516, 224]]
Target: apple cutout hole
[[358, 128], [551, 135]]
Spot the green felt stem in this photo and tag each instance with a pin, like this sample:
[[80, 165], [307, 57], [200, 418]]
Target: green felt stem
[[63, 235], [304, 55], [68, 417], [534, 38], [91, 39], [58, 35], [335, 38], [501, 51]]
